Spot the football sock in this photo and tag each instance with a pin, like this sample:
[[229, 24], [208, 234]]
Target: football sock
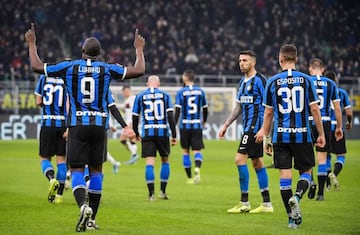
[[61, 177], [243, 178], [187, 165], [150, 177], [47, 169], [286, 192], [198, 159], [110, 158], [303, 184], [79, 188], [94, 192], [339, 164], [164, 175], [322, 175]]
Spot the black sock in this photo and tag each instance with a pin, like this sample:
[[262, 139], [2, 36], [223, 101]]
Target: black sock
[[327, 178], [80, 196], [188, 172], [337, 168], [151, 188], [198, 163], [244, 197], [50, 174], [321, 181], [61, 189], [163, 186], [301, 188], [265, 195], [94, 202], [286, 195]]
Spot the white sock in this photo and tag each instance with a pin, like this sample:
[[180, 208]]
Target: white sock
[[132, 147], [111, 159]]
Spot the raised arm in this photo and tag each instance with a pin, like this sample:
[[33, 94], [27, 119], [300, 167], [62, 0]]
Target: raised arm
[[36, 64], [139, 67]]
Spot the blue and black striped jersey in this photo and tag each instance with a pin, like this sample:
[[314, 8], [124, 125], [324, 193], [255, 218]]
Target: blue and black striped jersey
[[191, 100], [87, 83], [250, 97], [53, 93], [327, 92], [153, 105], [344, 104], [290, 94]]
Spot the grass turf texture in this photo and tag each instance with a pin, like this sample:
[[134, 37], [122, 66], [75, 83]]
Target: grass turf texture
[[192, 209]]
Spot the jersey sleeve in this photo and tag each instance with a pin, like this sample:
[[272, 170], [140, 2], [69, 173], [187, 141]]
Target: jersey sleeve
[[178, 99], [39, 86], [204, 101], [117, 71], [137, 104], [268, 98], [56, 70]]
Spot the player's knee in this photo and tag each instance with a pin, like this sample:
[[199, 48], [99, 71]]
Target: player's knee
[[123, 142]]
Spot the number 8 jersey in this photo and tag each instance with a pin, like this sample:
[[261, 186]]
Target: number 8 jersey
[[290, 94]]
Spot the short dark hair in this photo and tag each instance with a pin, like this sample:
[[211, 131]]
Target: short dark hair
[[289, 52], [91, 47], [249, 53], [190, 74], [126, 87], [330, 74], [316, 63]]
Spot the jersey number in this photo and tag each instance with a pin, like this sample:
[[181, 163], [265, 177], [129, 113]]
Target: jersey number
[[154, 110], [293, 99], [192, 105], [50, 90], [88, 89]]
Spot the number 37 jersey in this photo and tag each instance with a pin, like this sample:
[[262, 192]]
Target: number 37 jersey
[[290, 94], [87, 83]]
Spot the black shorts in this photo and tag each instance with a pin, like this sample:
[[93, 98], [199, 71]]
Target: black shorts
[[150, 145], [338, 147], [52, 141], [303, 155], [249, 146], [191, 138], [327, 132], [86, 145]]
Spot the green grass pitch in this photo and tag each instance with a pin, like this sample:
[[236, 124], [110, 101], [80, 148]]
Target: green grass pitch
[[192, 209]]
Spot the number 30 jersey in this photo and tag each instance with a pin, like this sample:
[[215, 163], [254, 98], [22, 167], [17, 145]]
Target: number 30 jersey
[[191, 100], [154, 105], [290, 94], [87, 83], [53, 94]]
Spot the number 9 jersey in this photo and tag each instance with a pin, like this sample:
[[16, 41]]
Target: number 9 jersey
[[87, 83], [290, 94]]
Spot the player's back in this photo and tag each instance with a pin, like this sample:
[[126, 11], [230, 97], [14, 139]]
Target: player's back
[[87, 83], [53, 93], [191, 100], [327, 92], [290, 94], [153, 104]]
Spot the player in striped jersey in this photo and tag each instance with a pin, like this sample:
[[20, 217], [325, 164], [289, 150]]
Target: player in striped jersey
[[87, 82], [156, 110], [338, 147], [51, 97], [192, 109], [249, 104], [289, 99], [328, 94]]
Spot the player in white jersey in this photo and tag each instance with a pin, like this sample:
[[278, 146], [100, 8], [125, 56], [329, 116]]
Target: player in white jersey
[[126, 108]]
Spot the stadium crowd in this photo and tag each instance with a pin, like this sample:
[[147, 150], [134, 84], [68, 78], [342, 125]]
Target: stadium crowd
[[204, 35]]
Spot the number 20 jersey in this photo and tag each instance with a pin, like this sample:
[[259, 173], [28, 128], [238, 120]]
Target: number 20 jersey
[[153, 104], [290, 94], [87, 83]]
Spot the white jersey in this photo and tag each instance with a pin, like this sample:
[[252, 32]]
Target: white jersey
[[127, 107]]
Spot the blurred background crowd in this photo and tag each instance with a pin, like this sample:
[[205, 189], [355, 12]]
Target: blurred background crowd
[[205, 35]]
